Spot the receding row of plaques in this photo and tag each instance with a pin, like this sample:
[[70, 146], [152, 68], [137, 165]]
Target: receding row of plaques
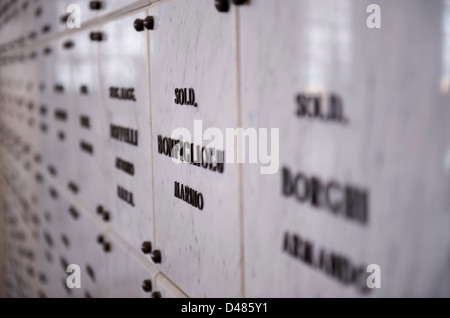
[[363, 154]]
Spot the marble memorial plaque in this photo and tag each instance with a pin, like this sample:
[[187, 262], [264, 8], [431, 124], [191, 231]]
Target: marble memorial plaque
[[124, 91], [128, 277], [193, 84], [362, 177]]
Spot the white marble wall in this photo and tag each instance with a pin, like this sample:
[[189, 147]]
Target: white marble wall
[[251, 67]]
